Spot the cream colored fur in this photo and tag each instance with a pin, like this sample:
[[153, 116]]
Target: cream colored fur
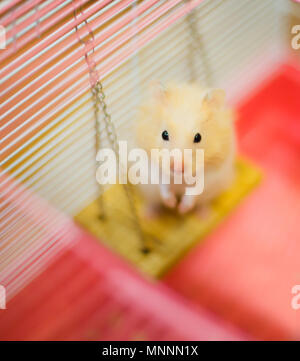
[[184, 110]]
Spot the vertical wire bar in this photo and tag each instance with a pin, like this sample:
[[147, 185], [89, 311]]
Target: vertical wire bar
[[93, 78], [197, 43]]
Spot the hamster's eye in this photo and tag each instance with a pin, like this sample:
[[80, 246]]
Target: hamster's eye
[[165, 135], [197, 138]]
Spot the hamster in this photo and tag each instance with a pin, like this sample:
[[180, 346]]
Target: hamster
[[187, 116]]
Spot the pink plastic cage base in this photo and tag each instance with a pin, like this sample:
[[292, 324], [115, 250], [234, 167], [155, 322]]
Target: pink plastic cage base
[[246, 269], [89, 294], [85, 292]]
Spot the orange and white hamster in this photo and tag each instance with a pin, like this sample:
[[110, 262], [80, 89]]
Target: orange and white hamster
[[187, 116]]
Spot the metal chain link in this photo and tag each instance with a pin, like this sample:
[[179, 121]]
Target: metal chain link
[[93, 76], [97, 147], [99, 101], [99, 94]]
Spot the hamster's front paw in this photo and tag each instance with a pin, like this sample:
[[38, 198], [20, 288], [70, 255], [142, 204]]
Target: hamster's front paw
[[168, 198], [186, 204]]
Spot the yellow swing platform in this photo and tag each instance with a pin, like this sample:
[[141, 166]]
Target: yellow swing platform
[[172, 235]]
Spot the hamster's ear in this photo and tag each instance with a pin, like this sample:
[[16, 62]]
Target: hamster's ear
[[157, 90], [214, 97]]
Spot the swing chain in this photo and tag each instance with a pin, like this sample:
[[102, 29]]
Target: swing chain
[[99, 101], [99, 96]]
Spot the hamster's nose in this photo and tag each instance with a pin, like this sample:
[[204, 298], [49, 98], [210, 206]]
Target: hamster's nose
[[177, 166]]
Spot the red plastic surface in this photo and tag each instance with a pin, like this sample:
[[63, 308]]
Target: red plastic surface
[[90, 294], [246, 269], [66, 286]]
